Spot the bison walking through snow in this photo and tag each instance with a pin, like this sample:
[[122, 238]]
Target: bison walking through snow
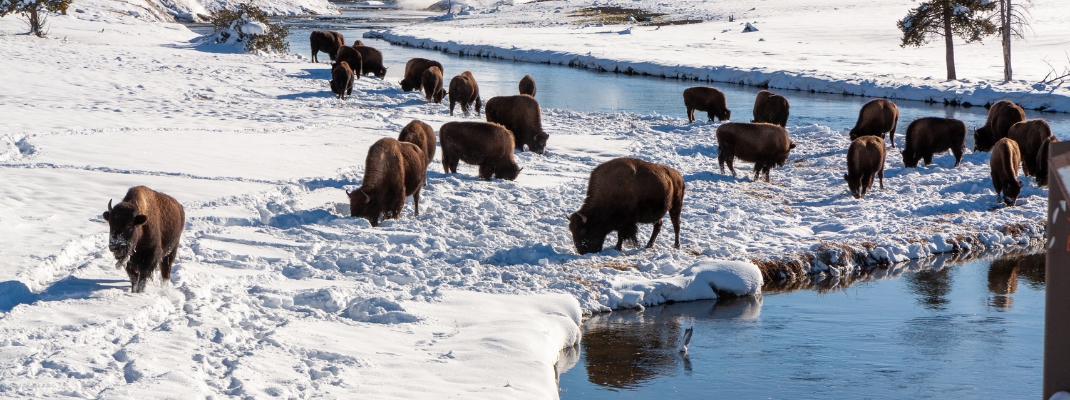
[[1001, 116], [488, 145], [1004, 163], [763, 144], [708, 99], [865, 158], [144, 232], [522, 116], [464, 90], [342, 80], [877, 117], [325, 41], [771, 108], [392, 171], [931, 135]]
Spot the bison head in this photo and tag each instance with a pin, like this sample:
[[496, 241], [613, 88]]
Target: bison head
[[381, 73], [124, 221], [982, 139], [538, 143], [723, 115], [587, 237], [854, 184], [1011, 190], [406, 85], [508, 172], [439, 94], [910, 158], [361, 205]]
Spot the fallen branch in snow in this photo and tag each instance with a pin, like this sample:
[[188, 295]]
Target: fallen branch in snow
[[1053, 77]]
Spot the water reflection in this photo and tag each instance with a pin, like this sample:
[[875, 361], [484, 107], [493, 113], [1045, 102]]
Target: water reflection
[[932, 287], [1003, 276]]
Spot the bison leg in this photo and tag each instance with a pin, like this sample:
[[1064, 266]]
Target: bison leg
[[165, 266], [416, 202], [349, 91], [757, 170], [654, 234], [486, 171], [881, 175], [958, 156], [452, 103], [690, 115], [479, 104]]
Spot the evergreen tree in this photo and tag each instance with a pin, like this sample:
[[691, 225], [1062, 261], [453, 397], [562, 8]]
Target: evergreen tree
[[967, 19], [35, 11]]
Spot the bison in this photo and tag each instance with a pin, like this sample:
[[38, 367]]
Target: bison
[[144, 231], [1030, 135], [488, 145], [771, 108], [1004, 163], [352, 57], [1001, 116], [708, 99], [420, 134], [877, 117], [342, 80], [1042, 161], [763, 144], [393, 171], [358, 43], [464, 90], [325, 41], [931, 135], [371, 61], [527, 85], [865, 158], [414, 72], [622, 193], [522, 116], [432, 84]]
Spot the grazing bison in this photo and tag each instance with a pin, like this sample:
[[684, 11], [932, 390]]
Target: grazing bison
[[1001, 116], [522, 116], [464, 90], [877, 117], [488, 145], [342, 80], [771, 108], [1004, 162], [931, 135], [527, 85], [358, 43], [432, 83], [420, 134], [865, 158], [352, 57], [325, 41], [708, 99], [622, 193], [763, 144], [371, 61], [1042, 161], [144, 231], [414, 72], [392, 171], [1030, 135]]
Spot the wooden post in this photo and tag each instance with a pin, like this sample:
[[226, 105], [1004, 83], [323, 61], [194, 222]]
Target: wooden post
[[1057, 278]]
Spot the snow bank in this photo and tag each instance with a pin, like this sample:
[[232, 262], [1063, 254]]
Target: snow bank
[[701, 281]]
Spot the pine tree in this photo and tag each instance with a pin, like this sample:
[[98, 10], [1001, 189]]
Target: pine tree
[[35, 11], [967, 19]]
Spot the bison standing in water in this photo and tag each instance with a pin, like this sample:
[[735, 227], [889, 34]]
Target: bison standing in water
[[342, 80], [414, 72], [527, 85], [144, 232], [464, 90], [865, 158], [763, 144], [1042, 161], [325, 41], [522, 116], [1030, 135], [432, 84], [931, 135], [708, 99], [771, 108], [1004, 163], [1001, 116], [877, 117], [393, 171], [488, 145], [420, 134], [622, 193]]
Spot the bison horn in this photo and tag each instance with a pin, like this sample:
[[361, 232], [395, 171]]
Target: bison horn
[[368, 198], [109, 204], [582, 217], [348, 192]]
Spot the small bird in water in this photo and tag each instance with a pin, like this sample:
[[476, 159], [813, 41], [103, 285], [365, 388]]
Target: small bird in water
[[686, 339]]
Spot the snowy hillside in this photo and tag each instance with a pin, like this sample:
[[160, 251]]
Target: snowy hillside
[[196, 10]]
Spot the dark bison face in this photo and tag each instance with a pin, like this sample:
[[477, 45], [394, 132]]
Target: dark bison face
[[586, 238], [507, 172], [439, 94], [1011, 190], [982, 139], [405, 85], [360, 205], [724, 115], [910, 158], [124, 224], [381, 73], [538, 143], [855, 185]]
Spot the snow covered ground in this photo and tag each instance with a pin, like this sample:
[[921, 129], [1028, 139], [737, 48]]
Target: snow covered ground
[[277, 292], [198, 10], [832, 46]]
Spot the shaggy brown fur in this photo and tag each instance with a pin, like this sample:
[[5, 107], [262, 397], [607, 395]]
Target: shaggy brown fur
[[144, 232], [771, 108], [488, 145], [931, 135], [527, 85], [522, 116], [1042, 161], [877, 117], [1004, 163], [865, 158], [325, 41], [371, 61], [708, 99], [414, 72], [622, 193], [1001, 116], [388, 179], [1030, 135], [763, 144], [432, 83], [358, 43], [342, 80], [464, 90], [420, 134], [352, 57]]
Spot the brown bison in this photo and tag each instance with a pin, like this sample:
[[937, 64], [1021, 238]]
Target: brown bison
[[771, 108], [432, 84], [420, 134], [358, 43], [1001, 116], [342, 80], [414, 72], [931, 135], [527, 85], [350, 56], [865, 158], [763, 144], [708, 99], [1004, 163], [522, 116], [325, 41], [144, 231], [622, 193], [1042, 161], [1030, 135], [371, 61], [464, 90], [877, 117], [393, 171], [488, 145]]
